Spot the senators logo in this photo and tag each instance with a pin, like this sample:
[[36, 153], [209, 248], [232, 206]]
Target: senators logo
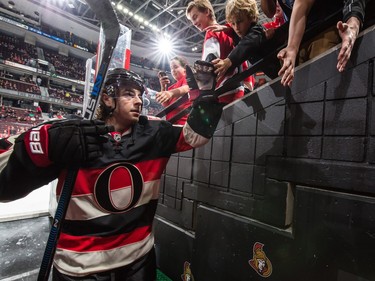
[[187, 276], [260, 263], [108, 178]]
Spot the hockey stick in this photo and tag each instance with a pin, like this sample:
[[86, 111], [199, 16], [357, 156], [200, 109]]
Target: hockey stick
[[173, 106], [104, 13]]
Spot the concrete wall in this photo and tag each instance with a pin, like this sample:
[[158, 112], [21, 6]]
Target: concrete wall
[[289, 178]]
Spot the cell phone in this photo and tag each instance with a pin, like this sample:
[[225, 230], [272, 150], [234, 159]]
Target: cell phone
[[162, 73]]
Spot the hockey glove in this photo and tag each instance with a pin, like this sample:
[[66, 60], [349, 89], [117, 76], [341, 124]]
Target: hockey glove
[[77, 141], [201, 80], [66, 142], [206, 111]]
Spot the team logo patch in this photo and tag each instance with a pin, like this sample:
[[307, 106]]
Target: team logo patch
[[116, 136], [187, 275], [260, 263]]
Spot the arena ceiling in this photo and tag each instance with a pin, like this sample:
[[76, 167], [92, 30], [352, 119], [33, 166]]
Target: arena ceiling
[[145, 16]]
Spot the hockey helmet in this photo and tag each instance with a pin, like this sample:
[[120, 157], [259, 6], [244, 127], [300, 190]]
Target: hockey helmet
[[120, 76]]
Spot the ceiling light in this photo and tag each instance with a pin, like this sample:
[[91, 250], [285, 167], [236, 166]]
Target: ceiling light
[[119, 7], [136, 17], [125, 10], [146, 23], [131, 13], [157, 7], [165, 46]]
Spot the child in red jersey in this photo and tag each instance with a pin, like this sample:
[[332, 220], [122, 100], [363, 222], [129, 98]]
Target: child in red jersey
[[169, 95], [216, 44]]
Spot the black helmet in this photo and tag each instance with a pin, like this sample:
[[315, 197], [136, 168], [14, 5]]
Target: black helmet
[[121, 76]]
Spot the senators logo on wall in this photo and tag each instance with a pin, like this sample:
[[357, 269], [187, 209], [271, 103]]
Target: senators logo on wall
[[260, 263], [187, 275]]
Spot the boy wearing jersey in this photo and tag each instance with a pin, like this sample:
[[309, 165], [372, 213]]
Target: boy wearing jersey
[[216, 44]]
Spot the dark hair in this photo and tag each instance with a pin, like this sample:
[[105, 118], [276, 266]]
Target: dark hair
[[103, 111]]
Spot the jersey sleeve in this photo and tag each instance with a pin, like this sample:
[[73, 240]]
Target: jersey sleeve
[[18, 173], [354, 8], [249, 46], [197, 131], [200, 126]]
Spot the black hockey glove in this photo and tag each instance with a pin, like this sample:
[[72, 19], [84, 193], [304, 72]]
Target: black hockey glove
[[76, 141], [207, 110], [201, 80]]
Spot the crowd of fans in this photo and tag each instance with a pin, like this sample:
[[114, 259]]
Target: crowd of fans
[[68, 37], [66, 66], [15, 50], [65, 94], [19, 86], [17, 120]]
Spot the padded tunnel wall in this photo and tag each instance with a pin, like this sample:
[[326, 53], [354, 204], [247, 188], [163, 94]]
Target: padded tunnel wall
[[285, 190]]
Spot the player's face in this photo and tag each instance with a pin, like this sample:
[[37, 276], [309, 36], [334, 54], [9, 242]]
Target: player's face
[[200, 20], [128, 104], [177, 70], [241, 25]]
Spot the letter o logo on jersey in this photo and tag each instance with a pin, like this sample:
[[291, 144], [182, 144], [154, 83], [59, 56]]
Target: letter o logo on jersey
[[102, 190]]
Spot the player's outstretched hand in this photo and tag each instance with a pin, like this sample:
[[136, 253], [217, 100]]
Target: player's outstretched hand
[[76, 141]]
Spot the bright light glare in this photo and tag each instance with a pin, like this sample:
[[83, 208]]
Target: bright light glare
[[165, 46]]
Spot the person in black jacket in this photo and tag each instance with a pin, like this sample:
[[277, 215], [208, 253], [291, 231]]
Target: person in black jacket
[[242, 16]]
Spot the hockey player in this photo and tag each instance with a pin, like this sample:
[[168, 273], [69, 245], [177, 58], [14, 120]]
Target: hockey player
[[107, 232]]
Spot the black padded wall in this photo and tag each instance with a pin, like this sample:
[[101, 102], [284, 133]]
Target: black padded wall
[[288, 179]]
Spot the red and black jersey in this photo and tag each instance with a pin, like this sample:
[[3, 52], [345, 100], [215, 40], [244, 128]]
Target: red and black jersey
[[109, 219], [220, 44], [188, 103]]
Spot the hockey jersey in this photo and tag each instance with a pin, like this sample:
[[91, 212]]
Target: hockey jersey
[[220, 44]]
